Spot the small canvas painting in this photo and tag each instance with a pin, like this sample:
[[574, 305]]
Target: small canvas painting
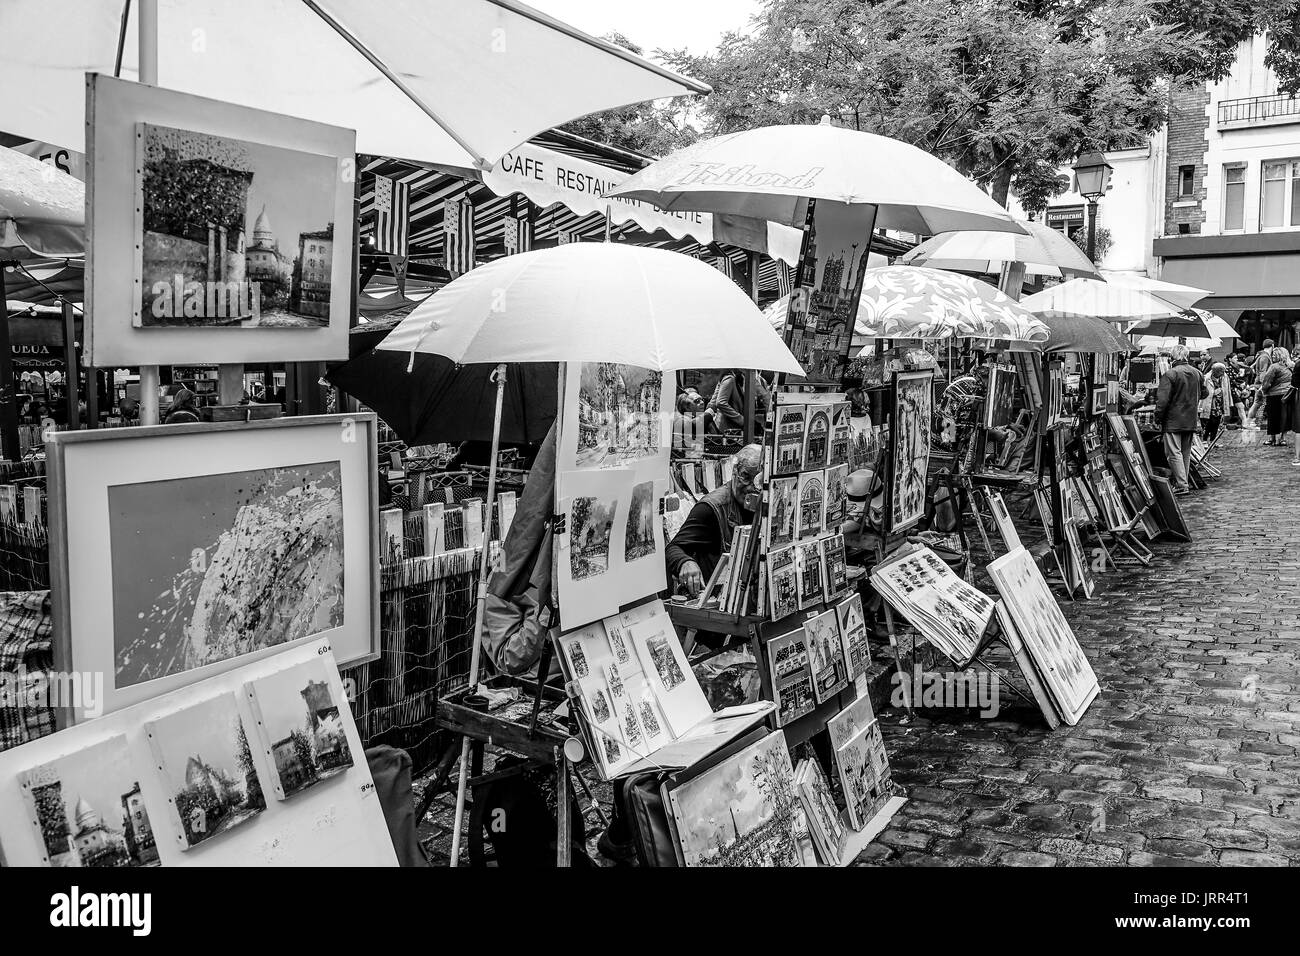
[[812, 503], [841, 433], [808, 573], [216, 566], [619, 415], [639, 542], [826, 655], [853, 635], [789, 439], [782, 511], [836, 496], [207, 768], [782, 583], [740, 812], [301, 726], [234, 234], [909, 458], [817, 437], [88, 810], [590, 521], [835, 580], [864, 775], [787, 658], [823, 815]]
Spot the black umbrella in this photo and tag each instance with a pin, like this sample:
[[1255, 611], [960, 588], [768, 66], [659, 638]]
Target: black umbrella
[[439, 401], [1082, 333]]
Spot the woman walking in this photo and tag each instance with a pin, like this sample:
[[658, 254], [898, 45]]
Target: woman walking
[[1217, 406], [1274, 386]]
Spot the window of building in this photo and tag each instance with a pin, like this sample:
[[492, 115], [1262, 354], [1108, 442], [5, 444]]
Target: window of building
[[1279, 203], [1186, 179], [1065, 219], [1234, 197]]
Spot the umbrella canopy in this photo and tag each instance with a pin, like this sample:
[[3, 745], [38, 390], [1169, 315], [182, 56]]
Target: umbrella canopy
[[1043, 250], [770, 173], [42, 209], [1083, 333], [45, 281], [440, 401], [1118, 299], [1157, 343], [1217, 326], [1186, 324], [912, 302], [454, 82], [595, 302]]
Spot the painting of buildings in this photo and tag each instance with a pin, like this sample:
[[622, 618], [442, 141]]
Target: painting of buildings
[[789, 439], [198, 267], [639, 540], [619, 415], [812, 503], [742, 811], [300, 726], [818, 437], [88, 809], [207, 768]]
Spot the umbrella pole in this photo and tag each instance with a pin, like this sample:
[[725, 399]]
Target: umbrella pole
[[479, 609], [8, 409]]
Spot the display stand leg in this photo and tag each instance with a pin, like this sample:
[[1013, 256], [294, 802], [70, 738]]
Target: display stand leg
[[563, 838], [444, 765], [591, 799], [903, 680], [477, 637]]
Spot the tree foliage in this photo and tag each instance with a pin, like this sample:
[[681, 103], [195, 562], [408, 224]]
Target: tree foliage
[[649, 128], [1007, 92]]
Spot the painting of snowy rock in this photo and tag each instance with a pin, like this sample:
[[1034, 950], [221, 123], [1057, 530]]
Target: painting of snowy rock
[[213, 567]]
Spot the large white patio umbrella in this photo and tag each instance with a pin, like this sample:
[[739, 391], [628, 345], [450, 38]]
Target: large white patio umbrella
[[770, 173], [1118, 299], [42, 210], [595, 302], [586, 302], [1044, 252], [453, 82]]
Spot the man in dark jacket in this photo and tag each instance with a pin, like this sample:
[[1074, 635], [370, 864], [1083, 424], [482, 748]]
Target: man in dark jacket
[[1180, 391], [697, 547]]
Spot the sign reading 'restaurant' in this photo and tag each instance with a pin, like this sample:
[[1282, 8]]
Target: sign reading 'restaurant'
[[547, 177]]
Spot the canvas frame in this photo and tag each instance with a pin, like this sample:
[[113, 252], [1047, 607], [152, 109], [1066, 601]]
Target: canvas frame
[[891, 489], [78, 616], [114, 109]]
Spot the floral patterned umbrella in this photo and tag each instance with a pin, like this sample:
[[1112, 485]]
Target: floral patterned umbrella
[[912, 302]]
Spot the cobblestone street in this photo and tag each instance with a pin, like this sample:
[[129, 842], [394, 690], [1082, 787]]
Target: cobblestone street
[[1189, 754]]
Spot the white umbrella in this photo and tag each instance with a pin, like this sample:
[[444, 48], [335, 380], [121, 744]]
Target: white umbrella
[[770, 173], [1044, 251], [595, 302], [586, 302], [42, 210], [1154, 343], [1118, 299], [454, 82]]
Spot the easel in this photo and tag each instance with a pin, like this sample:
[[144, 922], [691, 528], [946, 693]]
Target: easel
[[540, 741]]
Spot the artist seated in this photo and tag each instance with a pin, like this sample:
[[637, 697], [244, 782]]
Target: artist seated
[[695, 550]]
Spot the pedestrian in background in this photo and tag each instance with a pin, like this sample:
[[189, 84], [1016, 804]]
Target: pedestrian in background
[[1214, 408], [1177, 399], [1274, 386]]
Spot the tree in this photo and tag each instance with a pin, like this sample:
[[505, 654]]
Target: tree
[[1006, 92], [642, 127]]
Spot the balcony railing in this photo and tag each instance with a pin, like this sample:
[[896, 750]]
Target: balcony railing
[[1258, 109]]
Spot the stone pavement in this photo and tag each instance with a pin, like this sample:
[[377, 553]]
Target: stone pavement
[[1189, 755]]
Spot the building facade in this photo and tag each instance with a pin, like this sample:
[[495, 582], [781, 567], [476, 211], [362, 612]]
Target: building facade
[[1231, 204]]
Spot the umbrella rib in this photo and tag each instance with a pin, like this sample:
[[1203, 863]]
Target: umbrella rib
[[480, 160]]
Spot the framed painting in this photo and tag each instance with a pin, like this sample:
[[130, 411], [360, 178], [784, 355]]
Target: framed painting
[[909, 443], [217, 231], [182, 551]]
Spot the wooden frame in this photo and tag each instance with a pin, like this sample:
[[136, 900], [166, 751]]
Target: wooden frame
[[73, 636]]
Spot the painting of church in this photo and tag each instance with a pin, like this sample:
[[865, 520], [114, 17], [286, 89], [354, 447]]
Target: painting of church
[[618, 414], [65, 797]]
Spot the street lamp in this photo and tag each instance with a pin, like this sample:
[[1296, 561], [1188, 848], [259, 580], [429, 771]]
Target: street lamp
[[1091, 179]]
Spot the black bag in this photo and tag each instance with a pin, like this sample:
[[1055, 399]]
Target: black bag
[[644, 809]]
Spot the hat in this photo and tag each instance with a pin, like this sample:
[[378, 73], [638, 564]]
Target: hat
[[1218, 367]]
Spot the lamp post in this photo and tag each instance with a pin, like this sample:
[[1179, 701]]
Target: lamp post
[[1091, 179]]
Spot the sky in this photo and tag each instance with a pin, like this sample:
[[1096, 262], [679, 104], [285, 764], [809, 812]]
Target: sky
[[696, 25]]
